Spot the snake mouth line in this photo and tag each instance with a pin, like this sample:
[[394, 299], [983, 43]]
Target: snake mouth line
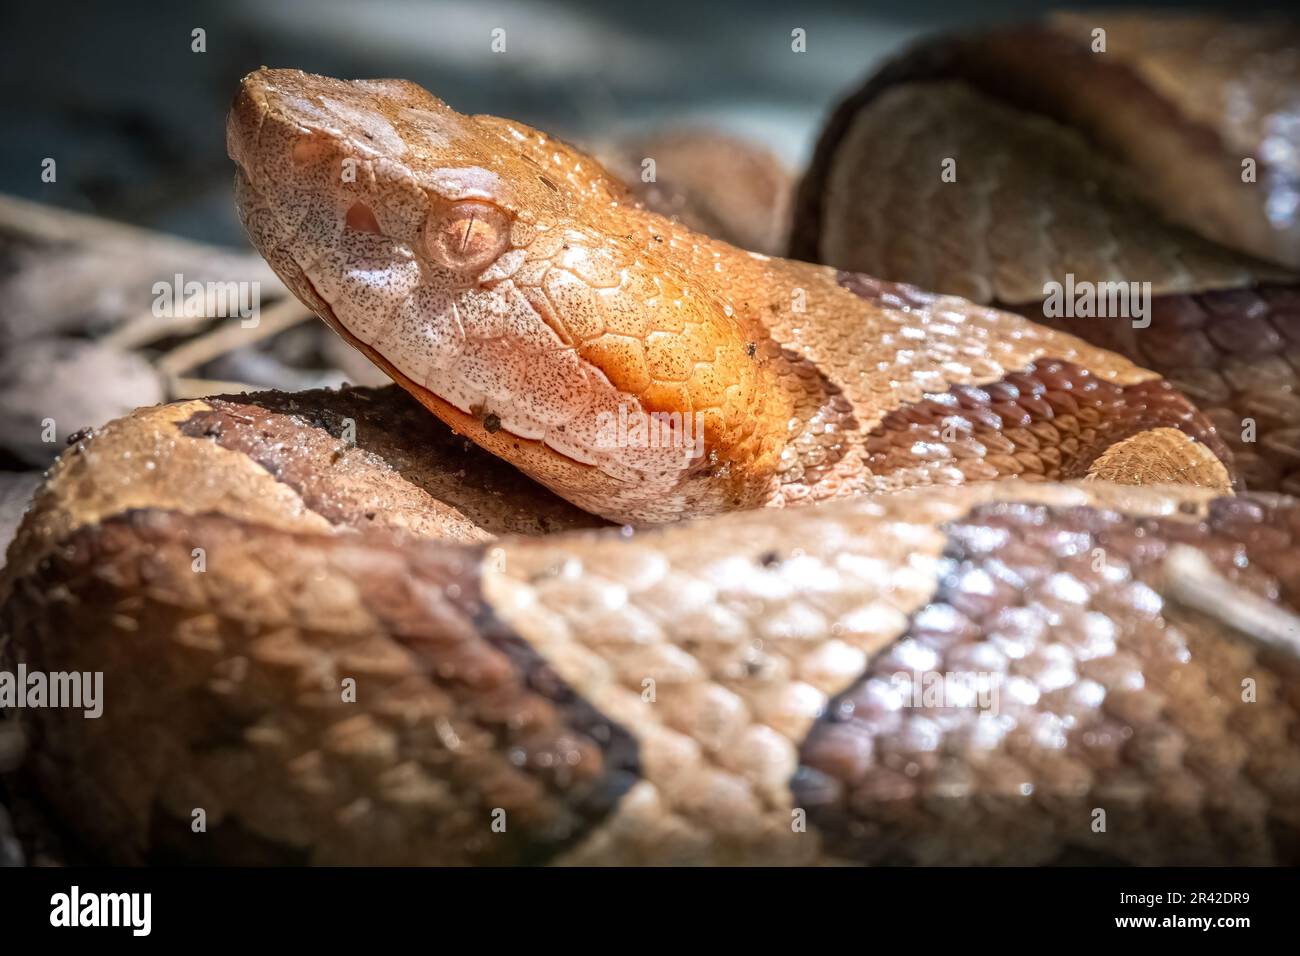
[[432, 399], [669, 339]]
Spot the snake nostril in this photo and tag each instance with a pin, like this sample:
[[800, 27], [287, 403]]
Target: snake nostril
[[361, 219]]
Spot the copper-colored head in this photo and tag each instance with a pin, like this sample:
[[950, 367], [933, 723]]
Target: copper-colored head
[[507, 282]]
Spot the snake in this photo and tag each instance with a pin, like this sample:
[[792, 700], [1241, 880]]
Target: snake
[[660, 551]]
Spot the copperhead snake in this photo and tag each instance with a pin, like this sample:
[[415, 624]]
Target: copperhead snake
[[885, 484]]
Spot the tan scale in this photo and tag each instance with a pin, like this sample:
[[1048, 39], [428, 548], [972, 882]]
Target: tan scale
[[582, 309], [686, 694]]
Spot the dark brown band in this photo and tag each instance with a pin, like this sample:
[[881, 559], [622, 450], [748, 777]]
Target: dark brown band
[[462, 725], [1115, 726], [1236, 354]]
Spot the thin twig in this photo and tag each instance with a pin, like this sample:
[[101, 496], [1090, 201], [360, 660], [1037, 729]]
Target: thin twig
[[148, 328], [1191, 580], [41, 223], [232, 335]]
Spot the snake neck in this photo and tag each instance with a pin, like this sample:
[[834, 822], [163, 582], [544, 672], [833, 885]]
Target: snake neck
[[639, 369]]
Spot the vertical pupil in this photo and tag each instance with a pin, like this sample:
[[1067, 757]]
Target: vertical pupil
[[478, 236], [468, 234]]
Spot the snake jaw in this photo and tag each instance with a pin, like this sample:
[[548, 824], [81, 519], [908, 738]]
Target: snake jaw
[[489, 271], [636, 368]]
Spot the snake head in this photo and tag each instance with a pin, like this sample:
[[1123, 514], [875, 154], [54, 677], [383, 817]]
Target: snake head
[[512, 286]]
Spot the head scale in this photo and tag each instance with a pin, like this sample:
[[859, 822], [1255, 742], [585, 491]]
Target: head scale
[[497, 275]]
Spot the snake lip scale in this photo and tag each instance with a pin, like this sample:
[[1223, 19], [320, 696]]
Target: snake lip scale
[[956, 586]]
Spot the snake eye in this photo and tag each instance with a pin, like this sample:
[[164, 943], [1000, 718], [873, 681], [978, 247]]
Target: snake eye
[[467, 235]]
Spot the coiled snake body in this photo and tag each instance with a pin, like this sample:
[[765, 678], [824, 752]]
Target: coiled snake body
[[753, 687]]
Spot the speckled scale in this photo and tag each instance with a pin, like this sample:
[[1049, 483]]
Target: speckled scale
[[784, 371]]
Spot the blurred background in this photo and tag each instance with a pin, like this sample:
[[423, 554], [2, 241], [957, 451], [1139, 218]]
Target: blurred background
[[113, 90]]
